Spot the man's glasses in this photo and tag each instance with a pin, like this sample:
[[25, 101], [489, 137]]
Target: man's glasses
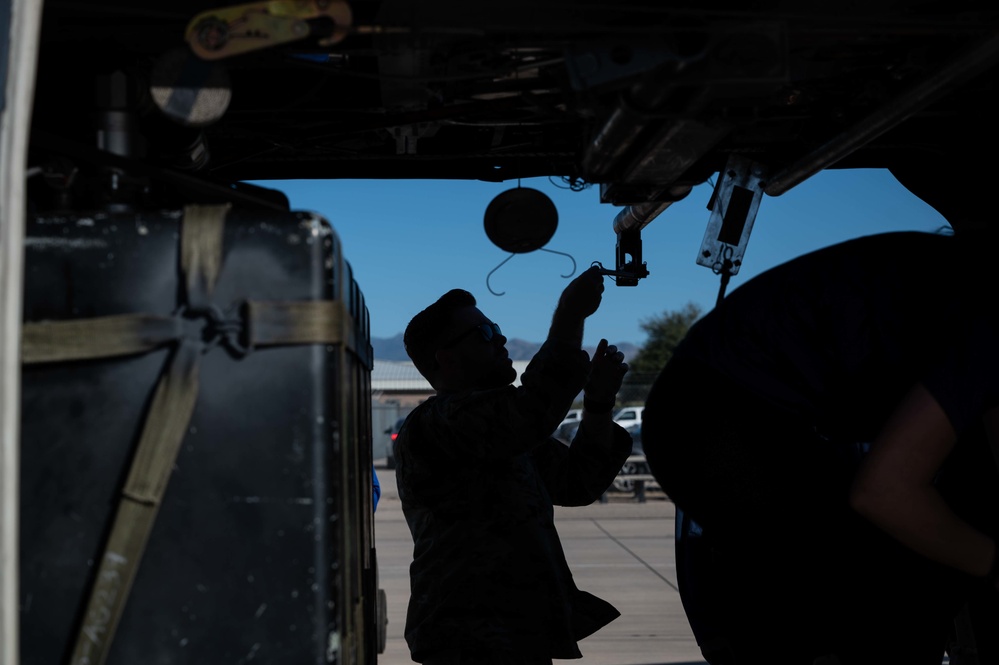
[[487, 330]]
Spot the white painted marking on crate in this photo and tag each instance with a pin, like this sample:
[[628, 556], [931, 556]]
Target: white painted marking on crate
[[295, 500], [66, 243], [332, 646]]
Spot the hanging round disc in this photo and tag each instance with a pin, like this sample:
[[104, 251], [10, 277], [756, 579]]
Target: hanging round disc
[[189, 90], [521, 220]]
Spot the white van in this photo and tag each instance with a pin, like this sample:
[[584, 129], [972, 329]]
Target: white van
[[629, 415], [574, 416]]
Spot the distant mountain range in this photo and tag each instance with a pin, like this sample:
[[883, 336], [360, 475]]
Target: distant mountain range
[[392, 348]]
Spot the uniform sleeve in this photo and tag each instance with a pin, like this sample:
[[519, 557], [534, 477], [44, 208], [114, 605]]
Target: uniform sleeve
[[509, 421], [577, 475]]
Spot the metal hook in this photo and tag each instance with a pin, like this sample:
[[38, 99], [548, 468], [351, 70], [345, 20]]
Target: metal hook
[[552, 251], [491, 274]]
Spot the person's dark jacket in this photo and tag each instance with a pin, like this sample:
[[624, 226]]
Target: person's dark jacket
[[478, 474]]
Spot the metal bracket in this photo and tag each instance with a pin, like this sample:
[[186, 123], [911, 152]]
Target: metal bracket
[[733, 206], [629, 267]]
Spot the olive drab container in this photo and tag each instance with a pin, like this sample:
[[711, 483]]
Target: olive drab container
[[196, 458]]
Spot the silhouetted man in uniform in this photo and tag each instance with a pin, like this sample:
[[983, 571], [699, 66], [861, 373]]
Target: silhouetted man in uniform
[[478, 472]]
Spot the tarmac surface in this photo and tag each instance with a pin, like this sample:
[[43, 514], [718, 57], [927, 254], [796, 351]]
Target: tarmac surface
[[621, 550]]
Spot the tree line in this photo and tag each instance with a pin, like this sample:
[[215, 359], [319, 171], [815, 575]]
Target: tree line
[[664, 332]]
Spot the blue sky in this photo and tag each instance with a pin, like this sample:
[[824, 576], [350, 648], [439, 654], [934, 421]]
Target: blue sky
[[408, 242]]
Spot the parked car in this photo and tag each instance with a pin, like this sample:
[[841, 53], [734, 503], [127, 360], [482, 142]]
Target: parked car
[[566, 431], [393, 433], [636, 438], [636, 464], [629, 415], [573, 416]]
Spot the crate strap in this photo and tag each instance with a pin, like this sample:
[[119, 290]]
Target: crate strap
[[268, 323], [201, 255], [162, 435], [299, 322], [99, 337]]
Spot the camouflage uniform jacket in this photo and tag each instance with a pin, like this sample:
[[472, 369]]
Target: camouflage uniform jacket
[[478, 474]]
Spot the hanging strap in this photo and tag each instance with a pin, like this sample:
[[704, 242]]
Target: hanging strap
[[201, 251], [266, 323]]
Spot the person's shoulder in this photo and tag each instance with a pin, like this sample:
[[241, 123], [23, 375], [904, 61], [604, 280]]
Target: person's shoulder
[[878, 249], [894, 241], [417, 415], [483, 400]]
